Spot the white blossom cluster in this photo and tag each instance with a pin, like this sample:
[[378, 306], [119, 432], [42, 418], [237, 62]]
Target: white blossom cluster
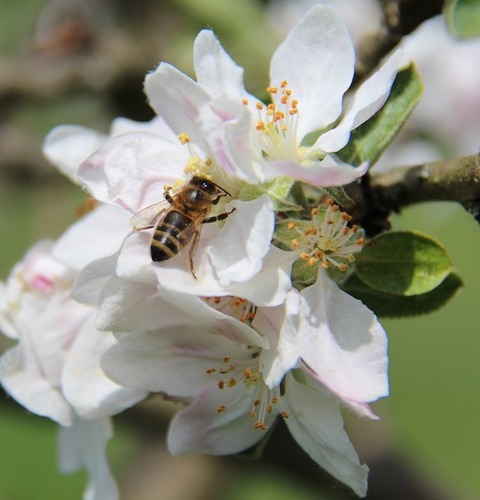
[[100, 326]]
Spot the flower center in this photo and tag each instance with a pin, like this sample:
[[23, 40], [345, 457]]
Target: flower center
[[265, 402], [327, 240], [277, 124]]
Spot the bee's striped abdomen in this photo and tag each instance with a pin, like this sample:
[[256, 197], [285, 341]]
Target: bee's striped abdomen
[[170, 236]]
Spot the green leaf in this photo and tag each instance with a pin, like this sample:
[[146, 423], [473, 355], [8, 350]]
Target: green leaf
[[395, 306], [278, 189], [403, 263], [370, 139], [463, 18]]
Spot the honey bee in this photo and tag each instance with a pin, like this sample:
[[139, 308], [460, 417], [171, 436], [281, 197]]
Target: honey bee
[[178, 219]]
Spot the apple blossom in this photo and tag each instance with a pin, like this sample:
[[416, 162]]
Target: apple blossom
[[239, 368], [309, 117], [54, 369]]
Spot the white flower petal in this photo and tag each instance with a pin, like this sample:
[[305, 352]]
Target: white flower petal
[[201, 429], [316, 423], [67, 146], [342, 342], [83, 446], [215, 69], [156, 125], [238, 252], [317, 60], [92, 278], [76, 247], [84, 384], [174, 360], [280, 326], [23, 379], [368, 99], [177, 98]]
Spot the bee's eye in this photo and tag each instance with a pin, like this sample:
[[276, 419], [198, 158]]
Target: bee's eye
[[208, 187]]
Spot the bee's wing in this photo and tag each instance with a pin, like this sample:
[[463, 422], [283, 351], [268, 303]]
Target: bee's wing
[[149, 216]]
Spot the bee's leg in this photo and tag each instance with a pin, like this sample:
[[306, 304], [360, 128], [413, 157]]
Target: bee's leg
[[219, 217], [167, 195], [191, 251]]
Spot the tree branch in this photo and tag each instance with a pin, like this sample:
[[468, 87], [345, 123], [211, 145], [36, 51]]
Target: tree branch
[[449, 180]]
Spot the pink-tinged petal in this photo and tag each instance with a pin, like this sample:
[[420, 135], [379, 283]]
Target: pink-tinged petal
[[325, 173], [156, 125], [67, 146], [317, 60], [176, 98], [227, 126], [202, 429], [83, 446], [85, 386], [342, 342], [368, 99], [76, 248], [238, 251], [316, 423], [132, 170], [215, 69], [22, 378]]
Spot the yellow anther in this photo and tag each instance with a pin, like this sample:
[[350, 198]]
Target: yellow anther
[[291, 224], [210, 371], [260, 125], [221, 409], [184, 138], [294, 243], [220, 384], [283, 84], [245, 102], [272, 90]]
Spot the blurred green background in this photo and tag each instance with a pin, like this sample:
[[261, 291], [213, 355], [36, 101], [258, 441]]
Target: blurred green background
[[83, 62]]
